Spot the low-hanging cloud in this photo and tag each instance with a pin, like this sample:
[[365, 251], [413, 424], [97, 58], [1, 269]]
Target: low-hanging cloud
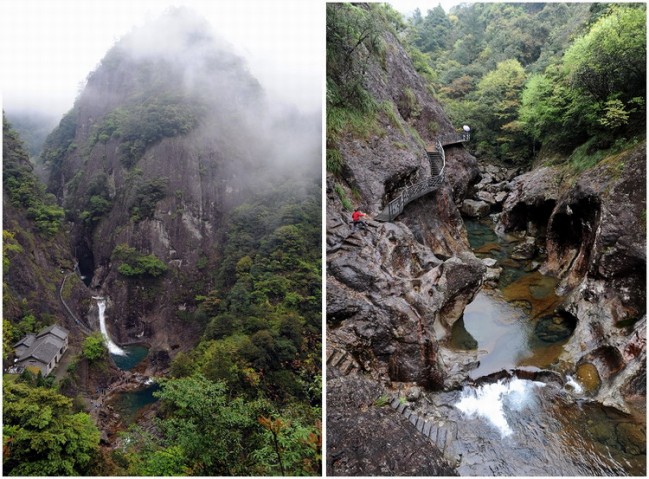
[[48, 48]]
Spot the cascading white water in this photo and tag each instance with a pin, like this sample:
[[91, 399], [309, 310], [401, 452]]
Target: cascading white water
[[488, 401], [112, 347], [572, 384]]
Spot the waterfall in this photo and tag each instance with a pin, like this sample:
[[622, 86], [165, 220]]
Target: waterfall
[[489, 401], [112, 347]]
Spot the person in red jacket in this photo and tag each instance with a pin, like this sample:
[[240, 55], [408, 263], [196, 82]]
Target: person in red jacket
[[356, 220]]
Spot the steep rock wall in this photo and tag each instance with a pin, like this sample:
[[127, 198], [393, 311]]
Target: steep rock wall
[[416, 273], [596, 244], [157, 151], [395, 289]]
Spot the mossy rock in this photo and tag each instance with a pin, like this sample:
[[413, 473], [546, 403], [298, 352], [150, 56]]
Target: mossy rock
[[588, 376]]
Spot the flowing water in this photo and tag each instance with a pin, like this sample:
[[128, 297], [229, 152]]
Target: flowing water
[[522, 427], [112, 347], [127, 357], [518, 427], [134, 355]]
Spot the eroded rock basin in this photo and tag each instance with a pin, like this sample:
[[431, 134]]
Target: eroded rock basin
[[512, 322], [519, 426]]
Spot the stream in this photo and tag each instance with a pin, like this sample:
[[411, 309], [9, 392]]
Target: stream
[[518, 426]]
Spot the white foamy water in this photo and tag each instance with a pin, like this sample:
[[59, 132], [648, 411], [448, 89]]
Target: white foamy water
[[576, 387], [112, 347], [488, 401]]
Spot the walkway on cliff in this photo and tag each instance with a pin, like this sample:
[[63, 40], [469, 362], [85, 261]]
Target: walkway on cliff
[[437, 159], [440, 433], [82, 326]]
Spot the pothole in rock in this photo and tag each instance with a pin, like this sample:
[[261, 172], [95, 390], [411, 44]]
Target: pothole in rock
[[554, 328]]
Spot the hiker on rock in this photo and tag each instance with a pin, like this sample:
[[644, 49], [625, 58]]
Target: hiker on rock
[[356, 220]]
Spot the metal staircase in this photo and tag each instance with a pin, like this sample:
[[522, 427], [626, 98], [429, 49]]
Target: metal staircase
[[437, 160]]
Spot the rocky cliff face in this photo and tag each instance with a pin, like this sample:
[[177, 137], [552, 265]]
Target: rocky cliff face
[[594, 233], [38, 266], [395, 288], [158, 149]]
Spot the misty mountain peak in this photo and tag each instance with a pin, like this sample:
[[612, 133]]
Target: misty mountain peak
[[176, 53]]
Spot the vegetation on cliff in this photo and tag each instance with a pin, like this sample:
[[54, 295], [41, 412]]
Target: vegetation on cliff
[[34, 247], [247, 399], [23, 188], [195, 207]]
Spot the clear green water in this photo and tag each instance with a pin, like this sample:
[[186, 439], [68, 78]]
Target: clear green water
[[129, 404], [135, 354]]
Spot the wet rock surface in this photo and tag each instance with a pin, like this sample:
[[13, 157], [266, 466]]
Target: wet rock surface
[[475, 209], [397, 291], [594, 235], [394, 288]]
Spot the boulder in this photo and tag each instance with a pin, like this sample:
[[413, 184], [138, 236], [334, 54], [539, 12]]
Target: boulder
[[475, 209], [525, 250], [501, 196], [486, 197], [489, 262]]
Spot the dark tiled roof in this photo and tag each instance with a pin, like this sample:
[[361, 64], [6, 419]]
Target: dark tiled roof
[[56, 330], [46, 350], [45, 346], [26, 341]]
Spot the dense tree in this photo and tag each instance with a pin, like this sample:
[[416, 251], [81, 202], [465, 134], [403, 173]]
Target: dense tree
[[22, 187], [594, 92], [580, 74], [433, 31], [205, 431], [42, 436], [93, 347], [609, 61]]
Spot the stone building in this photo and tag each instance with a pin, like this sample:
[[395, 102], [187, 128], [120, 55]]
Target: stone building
[[43, 350]]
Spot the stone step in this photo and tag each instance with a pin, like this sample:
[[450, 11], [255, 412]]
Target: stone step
[[348, 365], [336, 357], [353, 241], [442, 434], [335, 223], [330, 353]]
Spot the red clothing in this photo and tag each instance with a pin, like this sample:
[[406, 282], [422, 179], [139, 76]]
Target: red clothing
[[356, 215]]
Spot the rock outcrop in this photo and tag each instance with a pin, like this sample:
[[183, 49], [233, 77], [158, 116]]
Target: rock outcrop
[[156, 153], [371, 439], [394, 289], [593, 229]]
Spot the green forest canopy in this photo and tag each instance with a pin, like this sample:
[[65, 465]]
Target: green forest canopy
[[533, 75]]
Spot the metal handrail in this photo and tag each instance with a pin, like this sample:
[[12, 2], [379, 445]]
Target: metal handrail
[[428, 184]]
